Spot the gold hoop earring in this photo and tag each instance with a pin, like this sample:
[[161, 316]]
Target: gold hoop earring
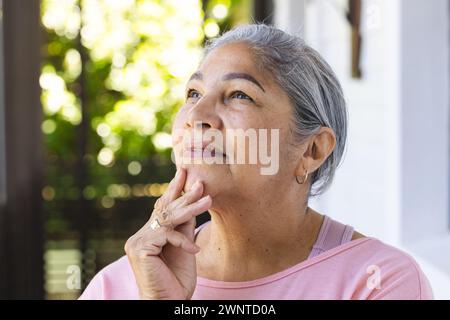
[[304, 179]]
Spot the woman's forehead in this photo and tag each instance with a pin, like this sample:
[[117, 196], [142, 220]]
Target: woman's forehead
[[232, 59], [235, 56]]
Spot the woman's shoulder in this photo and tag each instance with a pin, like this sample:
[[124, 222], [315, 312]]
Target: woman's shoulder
[[115, 281], [376, 251], [389, 272]]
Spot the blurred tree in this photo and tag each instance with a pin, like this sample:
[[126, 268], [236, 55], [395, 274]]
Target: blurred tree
[[125, 58]]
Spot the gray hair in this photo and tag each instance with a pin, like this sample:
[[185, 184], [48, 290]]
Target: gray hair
[[307, 79]]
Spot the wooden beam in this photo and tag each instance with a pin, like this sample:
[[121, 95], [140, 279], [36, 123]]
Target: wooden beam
[[22, 215], [354, 17]]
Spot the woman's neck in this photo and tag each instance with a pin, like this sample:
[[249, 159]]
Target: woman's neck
[[244, 243]]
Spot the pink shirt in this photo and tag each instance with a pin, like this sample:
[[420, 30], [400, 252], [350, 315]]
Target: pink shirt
[[365, 268]]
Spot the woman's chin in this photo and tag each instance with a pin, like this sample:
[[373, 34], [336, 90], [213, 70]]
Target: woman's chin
[[212, 178]]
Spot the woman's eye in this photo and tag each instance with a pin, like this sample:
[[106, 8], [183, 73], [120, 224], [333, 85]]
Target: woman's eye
[[193, 94], [240, 95]]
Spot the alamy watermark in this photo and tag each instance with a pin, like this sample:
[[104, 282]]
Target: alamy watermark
[[374, 280], [73, 281], [235, 146]]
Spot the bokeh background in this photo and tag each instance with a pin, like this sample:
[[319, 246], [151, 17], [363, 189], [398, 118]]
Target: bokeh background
[[89, 89]]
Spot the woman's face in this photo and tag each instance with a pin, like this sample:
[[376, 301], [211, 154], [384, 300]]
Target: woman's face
[[227, 92]]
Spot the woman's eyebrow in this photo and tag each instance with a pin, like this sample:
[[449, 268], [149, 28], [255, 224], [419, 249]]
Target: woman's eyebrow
[[230, 76], [245, 76], [196, 76]]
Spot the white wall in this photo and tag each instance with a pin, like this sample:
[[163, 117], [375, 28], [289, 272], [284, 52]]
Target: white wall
[[393, 183], [289, 16]]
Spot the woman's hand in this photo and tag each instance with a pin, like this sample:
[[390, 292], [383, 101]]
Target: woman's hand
[[163, 259]]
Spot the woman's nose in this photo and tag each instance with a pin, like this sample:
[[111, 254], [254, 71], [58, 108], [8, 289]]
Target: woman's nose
[[204, 113]]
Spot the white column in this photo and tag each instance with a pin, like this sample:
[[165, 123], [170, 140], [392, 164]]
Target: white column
[[425, 116]]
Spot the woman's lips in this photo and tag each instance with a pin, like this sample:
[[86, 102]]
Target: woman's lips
[[203, 153]]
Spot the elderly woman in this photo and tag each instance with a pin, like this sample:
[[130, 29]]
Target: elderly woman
[[263, 241]]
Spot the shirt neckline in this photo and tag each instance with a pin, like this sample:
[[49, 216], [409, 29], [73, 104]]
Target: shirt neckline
[[201, 281]]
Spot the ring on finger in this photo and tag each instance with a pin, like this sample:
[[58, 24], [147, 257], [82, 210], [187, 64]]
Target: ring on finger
[[163, 216], [155, 224]]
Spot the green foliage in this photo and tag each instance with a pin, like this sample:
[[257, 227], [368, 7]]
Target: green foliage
[[113, 75]]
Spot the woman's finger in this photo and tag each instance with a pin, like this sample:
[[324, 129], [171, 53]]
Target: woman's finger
[[189, 197], [171, 218], [176, 185], [153, 242], [184, 214], [179, 240]]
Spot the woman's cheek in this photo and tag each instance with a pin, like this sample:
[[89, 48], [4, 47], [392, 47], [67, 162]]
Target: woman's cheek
[[177, 139]]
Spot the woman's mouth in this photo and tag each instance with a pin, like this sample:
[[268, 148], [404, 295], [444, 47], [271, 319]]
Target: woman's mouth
[[202, 150]]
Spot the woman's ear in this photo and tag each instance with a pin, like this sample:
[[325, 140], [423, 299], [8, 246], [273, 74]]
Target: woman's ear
[[319, 147]]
